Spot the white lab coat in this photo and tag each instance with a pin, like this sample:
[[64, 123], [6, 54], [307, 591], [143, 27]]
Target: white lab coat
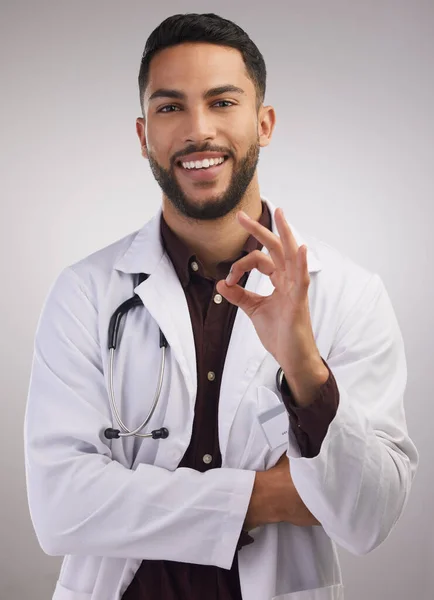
[[107, 505]]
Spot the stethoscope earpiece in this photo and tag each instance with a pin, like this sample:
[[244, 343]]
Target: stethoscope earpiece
[[161, 433], [111, 434]]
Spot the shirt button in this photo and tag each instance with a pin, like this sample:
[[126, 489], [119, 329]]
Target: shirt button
[[218, 299], [195, 266], [211, 375], [207, 458]]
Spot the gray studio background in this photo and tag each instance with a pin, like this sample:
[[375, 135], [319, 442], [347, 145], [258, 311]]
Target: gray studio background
[[351, 162]]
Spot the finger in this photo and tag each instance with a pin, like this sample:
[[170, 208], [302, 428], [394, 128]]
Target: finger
[[267, 238], [246, 300], [254, 260], [289, 244], [302, 279]]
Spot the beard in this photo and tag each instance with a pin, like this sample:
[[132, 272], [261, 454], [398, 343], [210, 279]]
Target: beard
[[217, 205]]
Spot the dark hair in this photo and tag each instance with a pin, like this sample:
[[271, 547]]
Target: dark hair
[[210, 28]]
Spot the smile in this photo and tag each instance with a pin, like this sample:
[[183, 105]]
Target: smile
[[204, 170], [203, 164]]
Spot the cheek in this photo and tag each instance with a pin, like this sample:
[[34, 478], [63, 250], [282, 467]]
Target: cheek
[[159, 140], [243, 131], [245, 140]]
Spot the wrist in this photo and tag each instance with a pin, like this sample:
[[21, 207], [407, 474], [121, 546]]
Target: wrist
[[269, 495], [304, 385], [262, 506]]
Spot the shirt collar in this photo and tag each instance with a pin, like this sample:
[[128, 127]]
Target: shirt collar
[[182, 257]]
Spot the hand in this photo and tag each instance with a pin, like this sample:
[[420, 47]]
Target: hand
[[282, 320], [290, 506], [275, 499]]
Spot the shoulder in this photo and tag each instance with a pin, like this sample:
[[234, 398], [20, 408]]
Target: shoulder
[[91, 276], [103, 261], [340, 278]]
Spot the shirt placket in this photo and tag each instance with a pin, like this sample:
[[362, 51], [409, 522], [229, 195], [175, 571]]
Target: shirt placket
[[209, 452]]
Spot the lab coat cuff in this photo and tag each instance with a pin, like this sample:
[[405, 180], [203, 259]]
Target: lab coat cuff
[[242, 486]]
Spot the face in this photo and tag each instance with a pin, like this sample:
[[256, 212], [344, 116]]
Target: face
[[201, 129]]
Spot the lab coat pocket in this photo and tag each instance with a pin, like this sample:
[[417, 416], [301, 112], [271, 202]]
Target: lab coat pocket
[[258, 454], [331, 592], [63, 593]]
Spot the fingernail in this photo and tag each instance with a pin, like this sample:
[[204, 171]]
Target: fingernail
[[229, 279]]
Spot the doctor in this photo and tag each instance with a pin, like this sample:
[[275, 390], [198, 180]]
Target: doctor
[[261, 476]]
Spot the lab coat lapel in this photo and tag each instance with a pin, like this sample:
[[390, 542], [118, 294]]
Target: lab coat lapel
[[163, 296]]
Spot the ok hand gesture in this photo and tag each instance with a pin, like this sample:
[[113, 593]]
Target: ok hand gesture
[[282, 320]]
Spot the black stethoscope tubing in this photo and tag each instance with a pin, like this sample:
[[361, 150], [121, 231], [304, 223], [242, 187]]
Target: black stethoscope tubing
[[113, 330]]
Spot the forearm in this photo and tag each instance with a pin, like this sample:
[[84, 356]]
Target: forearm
[[306, 384], [275, 499]]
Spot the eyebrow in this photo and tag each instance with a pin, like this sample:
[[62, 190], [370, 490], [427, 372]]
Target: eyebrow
[[178, 95]]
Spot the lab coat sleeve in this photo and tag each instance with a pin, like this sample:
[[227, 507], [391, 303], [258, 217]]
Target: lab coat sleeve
[[82, 501], [359, 483]]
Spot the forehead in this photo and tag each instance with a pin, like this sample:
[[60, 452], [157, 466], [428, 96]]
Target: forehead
[[197, 66]]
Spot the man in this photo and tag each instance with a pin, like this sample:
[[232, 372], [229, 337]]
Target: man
[[248, 495]]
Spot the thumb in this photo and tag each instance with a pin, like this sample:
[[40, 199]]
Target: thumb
[[237, 295]]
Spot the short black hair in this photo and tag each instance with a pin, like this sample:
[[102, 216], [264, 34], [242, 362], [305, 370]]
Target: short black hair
[[210, 28]]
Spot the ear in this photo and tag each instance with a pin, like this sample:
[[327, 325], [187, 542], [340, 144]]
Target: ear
[[266, 123], [141, 132]]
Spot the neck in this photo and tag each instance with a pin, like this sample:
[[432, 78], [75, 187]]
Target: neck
[[217, 240]]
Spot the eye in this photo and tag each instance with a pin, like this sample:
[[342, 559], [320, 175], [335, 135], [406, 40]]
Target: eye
[[161, 110], [226, 101]]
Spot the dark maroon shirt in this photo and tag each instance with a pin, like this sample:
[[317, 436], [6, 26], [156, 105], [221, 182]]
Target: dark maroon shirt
[[212, 320]]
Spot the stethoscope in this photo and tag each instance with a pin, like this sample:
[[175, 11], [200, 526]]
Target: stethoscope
[[113, 330]]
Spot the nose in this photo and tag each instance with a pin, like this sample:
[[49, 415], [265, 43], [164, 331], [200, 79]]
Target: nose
[[199, 127]]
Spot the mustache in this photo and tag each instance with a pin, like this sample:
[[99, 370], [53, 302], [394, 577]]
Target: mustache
[[204, 148]]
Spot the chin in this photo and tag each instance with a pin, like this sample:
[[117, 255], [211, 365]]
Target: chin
[[203, 199]]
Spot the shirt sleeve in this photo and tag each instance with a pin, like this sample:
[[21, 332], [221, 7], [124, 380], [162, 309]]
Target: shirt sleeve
[[310, 423]]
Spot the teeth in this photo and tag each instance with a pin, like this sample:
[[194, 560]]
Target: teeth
[[203, 164]]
